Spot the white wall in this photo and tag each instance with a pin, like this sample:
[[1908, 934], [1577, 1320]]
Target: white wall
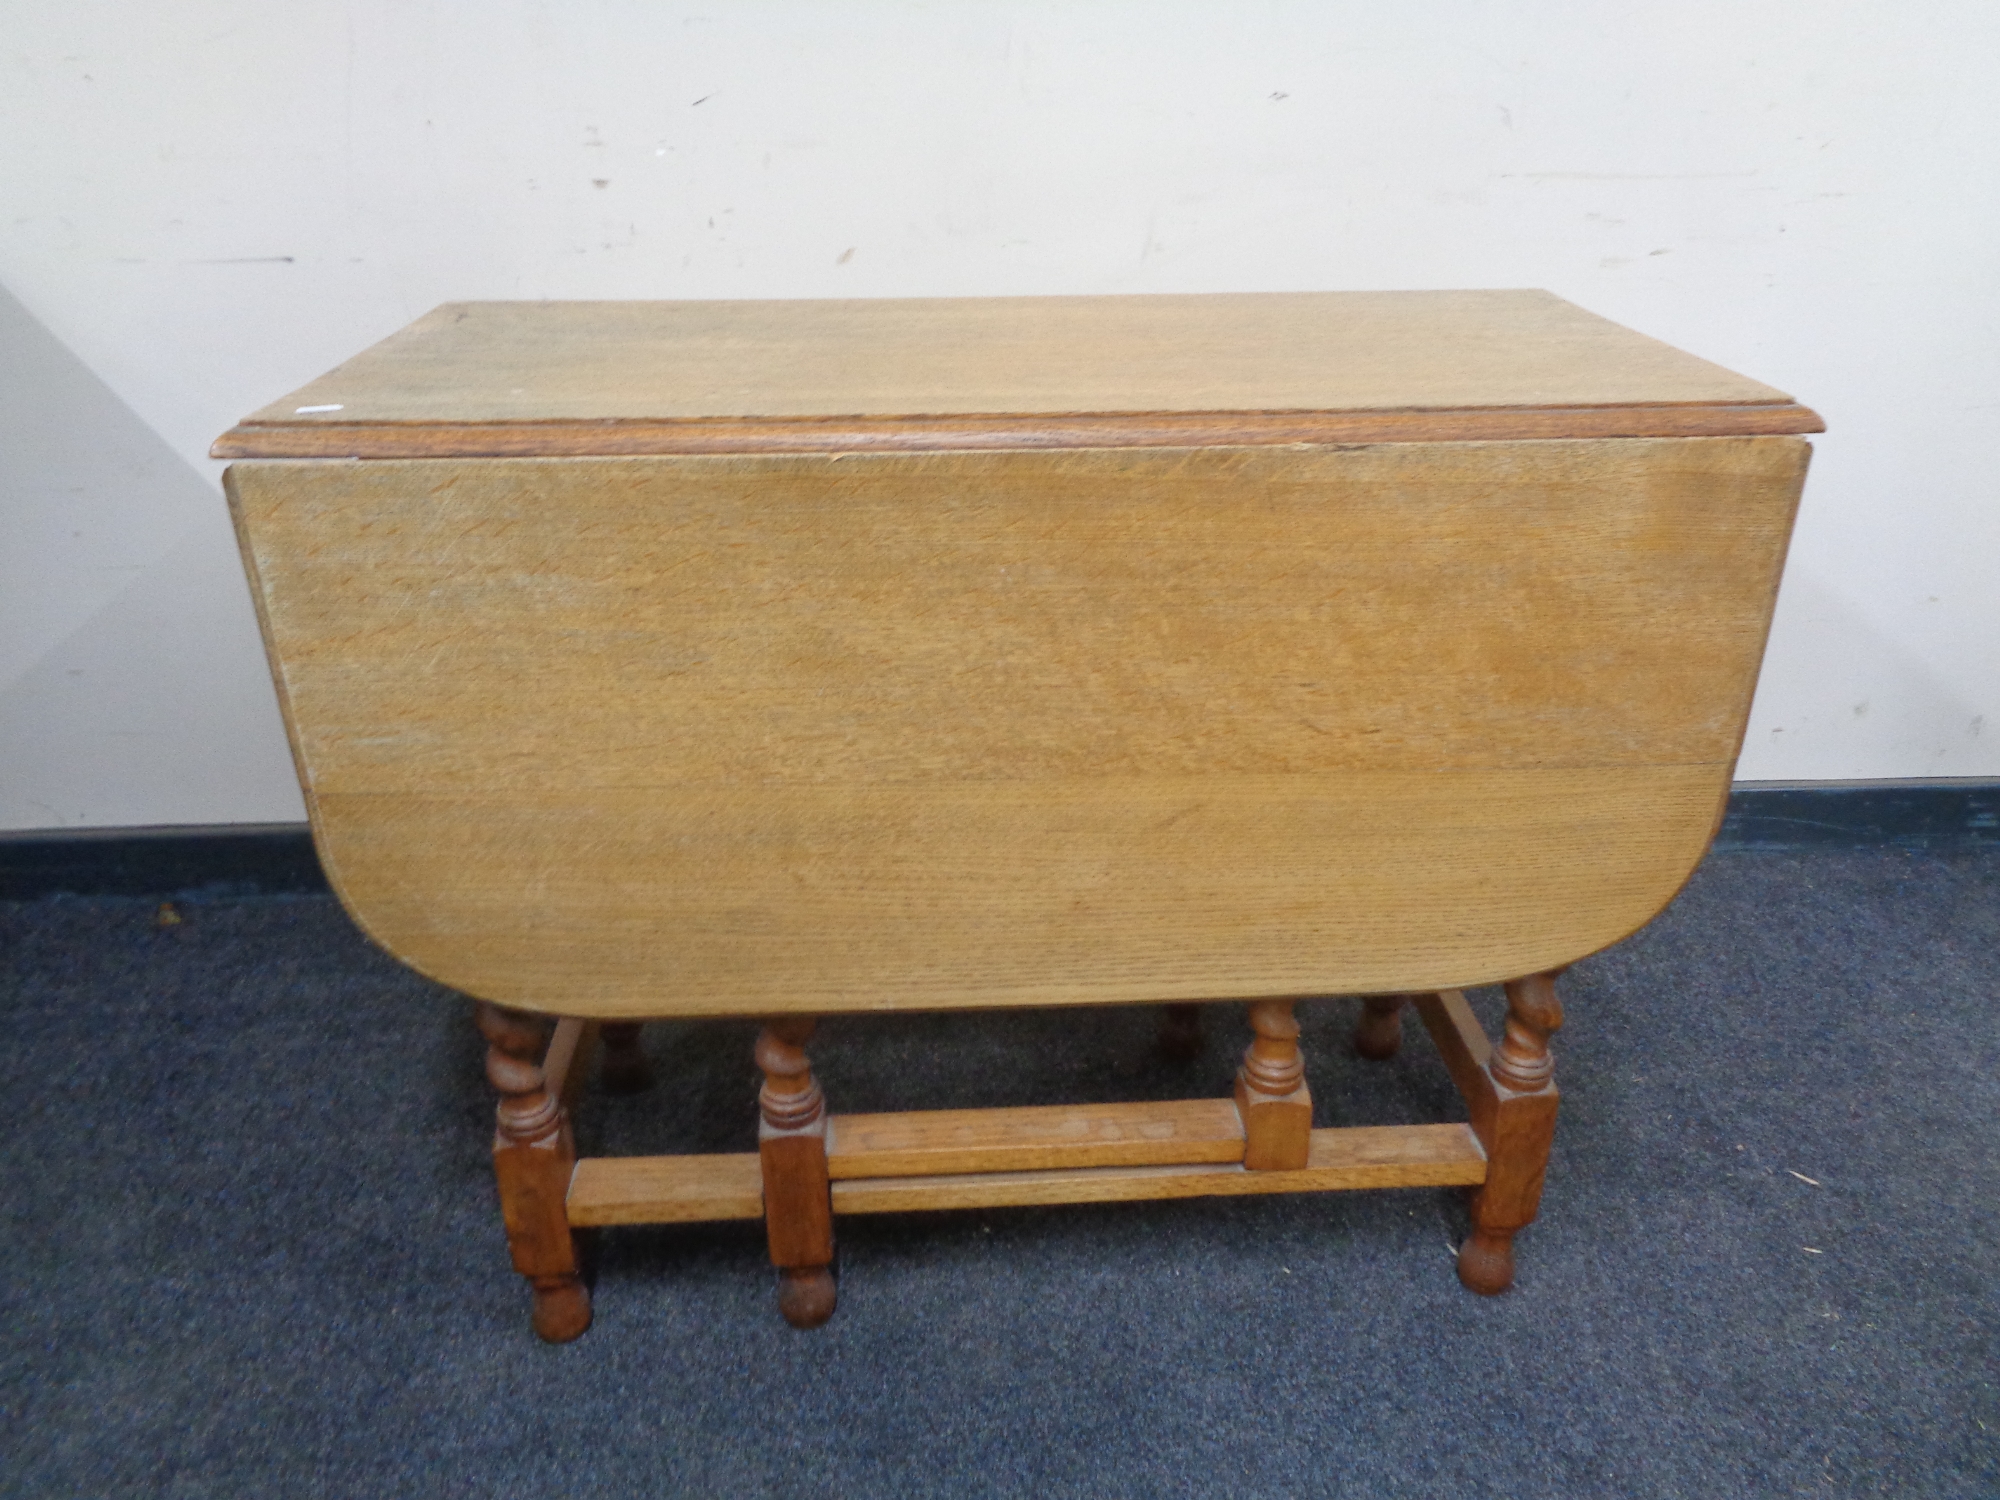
[[204, 204]]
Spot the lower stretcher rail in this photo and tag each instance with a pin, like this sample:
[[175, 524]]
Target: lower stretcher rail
[[694, 1189]]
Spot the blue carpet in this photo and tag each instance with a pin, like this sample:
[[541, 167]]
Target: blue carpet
[[251, 1245]]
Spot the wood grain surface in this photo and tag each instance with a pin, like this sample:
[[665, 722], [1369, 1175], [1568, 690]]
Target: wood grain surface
[[676, 377], [1362, 1156], [945, 1141], [715, 735], [1463, 1044], [607, 1190], [925, 434], [673, 902], [493, 626], [693, 1189]]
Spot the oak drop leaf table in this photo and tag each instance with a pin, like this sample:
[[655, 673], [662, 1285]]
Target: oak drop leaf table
[[786, 659]]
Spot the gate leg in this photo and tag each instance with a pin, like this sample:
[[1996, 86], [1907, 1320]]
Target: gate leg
[[533, 1157], [798, 1202], [1524, 1125]]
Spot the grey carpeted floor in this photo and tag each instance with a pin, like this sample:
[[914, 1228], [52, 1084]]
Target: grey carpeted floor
[[251, 1245]]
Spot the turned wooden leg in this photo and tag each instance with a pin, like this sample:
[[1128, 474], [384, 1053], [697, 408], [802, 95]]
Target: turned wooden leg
[[1271, 1092], [791, 1144], [1180, 1032], [533, 1157], [1379, 1032], [624, 1069], [1524, 1124]]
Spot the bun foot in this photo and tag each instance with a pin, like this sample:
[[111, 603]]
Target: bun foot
[[1378, 1035], [1486, 1261], [562, 1308], [806, 1297]]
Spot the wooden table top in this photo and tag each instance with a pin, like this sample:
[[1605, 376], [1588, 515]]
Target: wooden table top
[[1241, 646], [485, 379]]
